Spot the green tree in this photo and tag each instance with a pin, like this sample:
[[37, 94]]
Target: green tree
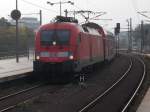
[[8, 43], [4, 22]]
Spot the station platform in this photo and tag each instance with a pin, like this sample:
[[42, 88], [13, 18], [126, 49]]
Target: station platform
[[10, 70], [145, 105]]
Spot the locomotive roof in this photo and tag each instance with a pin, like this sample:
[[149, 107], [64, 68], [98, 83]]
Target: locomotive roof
[[91, 28], [108, 33], [92, 25], [56, 23], [64, 19]]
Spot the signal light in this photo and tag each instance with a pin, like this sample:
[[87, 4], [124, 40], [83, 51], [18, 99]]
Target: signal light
[[117, 29], [118, 25]]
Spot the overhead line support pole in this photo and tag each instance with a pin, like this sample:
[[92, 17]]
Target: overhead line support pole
[[128, 35], [66, 13], [142, 36], [131, 33], [17, 56], [40, 17], [60, 8]]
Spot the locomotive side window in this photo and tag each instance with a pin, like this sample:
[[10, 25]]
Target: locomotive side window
[[58, 36]]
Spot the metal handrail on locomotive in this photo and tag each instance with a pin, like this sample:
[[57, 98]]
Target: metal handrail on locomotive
[[66, 46]]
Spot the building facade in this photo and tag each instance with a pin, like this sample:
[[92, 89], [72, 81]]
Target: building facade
[[29, 22]]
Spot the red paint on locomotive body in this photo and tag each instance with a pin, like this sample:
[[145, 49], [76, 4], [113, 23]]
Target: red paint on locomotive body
[[54, 49], [70, 46]]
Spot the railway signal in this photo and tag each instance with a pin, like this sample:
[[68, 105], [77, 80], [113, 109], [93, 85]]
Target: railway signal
[[118, 28], [117, 31]]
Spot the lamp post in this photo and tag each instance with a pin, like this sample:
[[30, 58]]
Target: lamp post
[[60, 4]]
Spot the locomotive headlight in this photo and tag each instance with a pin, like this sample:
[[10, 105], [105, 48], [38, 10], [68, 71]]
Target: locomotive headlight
[[54, 43], [37, 57], [71, 57]]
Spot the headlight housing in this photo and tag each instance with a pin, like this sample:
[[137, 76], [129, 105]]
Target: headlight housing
[[37, 57], [45, 54], [71, 57]]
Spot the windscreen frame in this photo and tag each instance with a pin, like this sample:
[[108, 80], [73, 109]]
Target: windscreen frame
[[56, 38]]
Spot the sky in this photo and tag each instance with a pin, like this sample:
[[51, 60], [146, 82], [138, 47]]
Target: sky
[[117, 10]]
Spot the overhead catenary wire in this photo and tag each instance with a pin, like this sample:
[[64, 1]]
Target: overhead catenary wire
[[77, 7], [96, 14], [38, 6], [81, 11], [30, 13], [141, 13], [135, 7], [88, 12]]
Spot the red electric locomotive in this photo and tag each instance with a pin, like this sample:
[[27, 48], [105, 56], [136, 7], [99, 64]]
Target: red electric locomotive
[[66, 46]]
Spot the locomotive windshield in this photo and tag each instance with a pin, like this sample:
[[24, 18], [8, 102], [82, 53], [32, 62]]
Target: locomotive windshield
[[60, 37]]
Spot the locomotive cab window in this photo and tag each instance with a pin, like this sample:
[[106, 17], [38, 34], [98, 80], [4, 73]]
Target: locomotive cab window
[[60, 37], [46, 37]]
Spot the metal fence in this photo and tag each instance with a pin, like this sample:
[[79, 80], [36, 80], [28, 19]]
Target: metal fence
[[12, 54]]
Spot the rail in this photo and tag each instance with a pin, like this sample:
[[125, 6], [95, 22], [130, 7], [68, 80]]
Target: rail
[[17, 93], [107, 90], [133, 96]]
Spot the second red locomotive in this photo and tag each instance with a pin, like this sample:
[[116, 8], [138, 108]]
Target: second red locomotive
[[66, 46]]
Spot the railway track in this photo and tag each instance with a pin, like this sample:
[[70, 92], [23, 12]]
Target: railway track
[[138, 87], [15, 99], [118, 97], [114, 97], [15, 94]]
